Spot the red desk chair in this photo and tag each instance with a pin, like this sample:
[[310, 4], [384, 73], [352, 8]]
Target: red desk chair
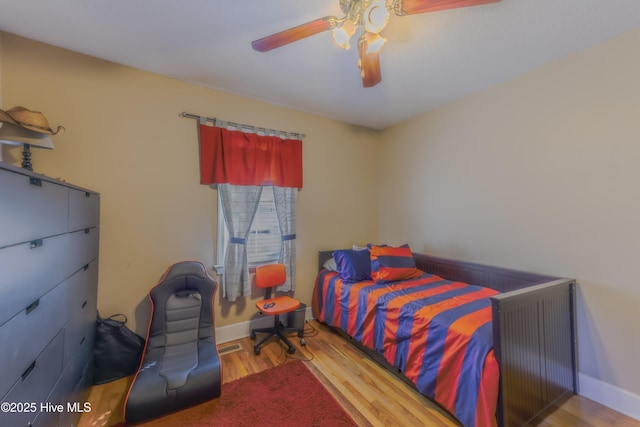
[[269, 276]]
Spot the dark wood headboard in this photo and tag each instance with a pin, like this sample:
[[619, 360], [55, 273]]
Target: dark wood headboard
[[323, 256], [498, 278]]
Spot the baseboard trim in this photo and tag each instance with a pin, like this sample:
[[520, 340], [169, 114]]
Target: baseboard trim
[[243, 329], [611, 396]]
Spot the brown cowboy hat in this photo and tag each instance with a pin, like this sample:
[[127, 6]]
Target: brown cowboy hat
[[32, 120]]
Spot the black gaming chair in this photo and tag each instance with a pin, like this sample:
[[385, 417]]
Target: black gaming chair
[[180, 366]]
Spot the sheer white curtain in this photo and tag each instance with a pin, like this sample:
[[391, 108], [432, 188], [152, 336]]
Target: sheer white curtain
[[239, 204], [285, 199]]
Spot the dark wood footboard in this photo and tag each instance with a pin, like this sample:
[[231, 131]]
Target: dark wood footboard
[[535, 344], [534, 333]]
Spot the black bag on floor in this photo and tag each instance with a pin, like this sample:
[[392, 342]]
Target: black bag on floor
[[117, 350]]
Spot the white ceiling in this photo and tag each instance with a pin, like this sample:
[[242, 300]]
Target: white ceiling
[[429, 59]]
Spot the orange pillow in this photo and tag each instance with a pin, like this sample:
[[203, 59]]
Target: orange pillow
[[390, 264]]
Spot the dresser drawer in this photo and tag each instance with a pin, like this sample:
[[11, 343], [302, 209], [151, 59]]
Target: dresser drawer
[[83, 248], [48, 419], [29, 270], [84, 209], [32, 208], [82, 309], [27, 333], [35, 384], [78, 366], [76, 381], [76, 378]]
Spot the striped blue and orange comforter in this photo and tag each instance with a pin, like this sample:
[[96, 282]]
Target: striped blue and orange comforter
[[437, 332]]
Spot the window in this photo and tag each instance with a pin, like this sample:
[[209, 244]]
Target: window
[[264, 241]]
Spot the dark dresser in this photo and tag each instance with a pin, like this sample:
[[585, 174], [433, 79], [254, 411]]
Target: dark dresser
[[49, 242]]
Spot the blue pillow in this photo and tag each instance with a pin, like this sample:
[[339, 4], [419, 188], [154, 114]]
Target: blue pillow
[[353, 266]]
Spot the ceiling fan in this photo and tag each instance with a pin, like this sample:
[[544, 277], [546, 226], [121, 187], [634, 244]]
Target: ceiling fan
[[369, 18]]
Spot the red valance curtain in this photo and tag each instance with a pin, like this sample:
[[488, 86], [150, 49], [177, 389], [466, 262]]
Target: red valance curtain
[[238, 158]]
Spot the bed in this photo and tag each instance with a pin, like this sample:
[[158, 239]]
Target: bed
[[519, 361]]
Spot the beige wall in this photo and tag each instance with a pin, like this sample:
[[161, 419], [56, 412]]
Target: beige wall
[[125, 140], [540, 173]]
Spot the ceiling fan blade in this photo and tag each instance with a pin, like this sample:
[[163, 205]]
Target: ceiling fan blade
[[369, 65], [412, 7], [293, 34]]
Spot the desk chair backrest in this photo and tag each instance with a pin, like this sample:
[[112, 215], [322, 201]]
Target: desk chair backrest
[[269, 276]]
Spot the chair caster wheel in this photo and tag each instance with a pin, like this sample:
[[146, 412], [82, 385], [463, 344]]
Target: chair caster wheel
[[292, 349], [256, 350], [303, 342], [300, 334], [252, 335]]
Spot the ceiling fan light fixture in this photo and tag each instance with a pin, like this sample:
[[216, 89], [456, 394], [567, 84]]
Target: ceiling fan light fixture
[[376, 16], [374, 42], [342, 34], [367, 19]]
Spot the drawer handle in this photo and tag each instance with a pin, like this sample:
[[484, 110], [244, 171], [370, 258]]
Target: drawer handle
[[82, 341], [86, 267], [35, 181], [87, 194], [84, 304], [36, 243], [33, 306], [26, 373], [87, 230]]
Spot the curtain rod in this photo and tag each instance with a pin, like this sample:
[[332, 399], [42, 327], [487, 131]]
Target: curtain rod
[[242, 127]]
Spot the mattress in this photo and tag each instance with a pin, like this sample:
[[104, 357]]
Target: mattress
[[437, 332]]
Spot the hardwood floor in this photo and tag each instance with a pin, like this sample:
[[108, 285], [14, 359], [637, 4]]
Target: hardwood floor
[[370, 394]]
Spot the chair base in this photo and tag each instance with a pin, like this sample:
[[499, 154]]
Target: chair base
[[276, 330]]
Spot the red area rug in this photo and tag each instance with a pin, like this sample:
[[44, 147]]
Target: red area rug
[[287, 395]]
